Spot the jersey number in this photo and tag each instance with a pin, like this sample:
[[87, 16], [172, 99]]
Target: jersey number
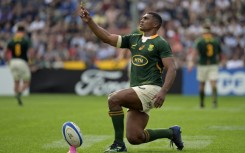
[[210, 50], [17, 49]]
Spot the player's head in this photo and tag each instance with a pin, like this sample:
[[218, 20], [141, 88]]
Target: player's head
[[150, 21], [157, 18], [20, 28]]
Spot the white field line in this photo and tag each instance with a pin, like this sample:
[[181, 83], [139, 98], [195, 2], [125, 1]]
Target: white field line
[[197, 142], [207, 108], [88, 141], [227, 128]]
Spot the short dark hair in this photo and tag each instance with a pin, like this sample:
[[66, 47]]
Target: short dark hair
[[206, 28], [157, 17], [21, 28]]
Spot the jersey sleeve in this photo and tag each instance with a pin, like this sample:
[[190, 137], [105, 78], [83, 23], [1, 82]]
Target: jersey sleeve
[[219, 46], [125, 41], [198, 44], [165, 49]]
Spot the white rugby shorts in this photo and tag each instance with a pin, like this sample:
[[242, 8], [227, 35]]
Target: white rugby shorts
[[146, 94], [207, 72], [19, 69]]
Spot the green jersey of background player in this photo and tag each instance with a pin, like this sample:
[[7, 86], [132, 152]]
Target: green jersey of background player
[[19, 47], [149, 54], [208, 49]]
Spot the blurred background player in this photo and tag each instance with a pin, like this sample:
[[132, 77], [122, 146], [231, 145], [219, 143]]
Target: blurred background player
[[208, 54], [17, 57]]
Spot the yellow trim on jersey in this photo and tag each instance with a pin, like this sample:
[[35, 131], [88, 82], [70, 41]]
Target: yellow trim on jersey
[[159, 68], [150, 37], [18, 36], [207, 37], [154, 36]]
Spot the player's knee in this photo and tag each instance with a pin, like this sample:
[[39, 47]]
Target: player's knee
[[135, 139], [112, 101]]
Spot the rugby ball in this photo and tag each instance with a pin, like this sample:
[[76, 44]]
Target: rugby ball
[[72, 134]]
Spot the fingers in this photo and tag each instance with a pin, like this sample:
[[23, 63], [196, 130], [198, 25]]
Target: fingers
[[84, 13], [158, 102], [82, 6], [159, 99]]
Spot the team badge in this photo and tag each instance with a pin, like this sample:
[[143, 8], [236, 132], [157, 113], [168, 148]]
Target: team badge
[[151, 47]]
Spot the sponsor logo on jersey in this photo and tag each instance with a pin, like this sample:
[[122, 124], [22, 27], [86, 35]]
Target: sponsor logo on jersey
[[151, 47], [142, 47], [139, 60]]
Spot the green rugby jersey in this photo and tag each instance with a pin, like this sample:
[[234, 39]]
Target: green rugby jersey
[[19, 47], [146, 63], [208, 49]]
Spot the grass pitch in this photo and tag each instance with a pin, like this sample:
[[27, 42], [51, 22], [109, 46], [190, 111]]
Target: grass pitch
[[36, 127]]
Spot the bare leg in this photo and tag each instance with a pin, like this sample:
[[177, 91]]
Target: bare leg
[[17, 86], [135, 125], [25, 86], [17, 90], [126, 98]]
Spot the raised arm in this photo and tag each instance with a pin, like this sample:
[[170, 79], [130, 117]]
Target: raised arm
[[101, 33]]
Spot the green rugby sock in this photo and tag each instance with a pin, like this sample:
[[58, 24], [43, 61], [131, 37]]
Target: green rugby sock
[[202, 95], [151, 135], [215, 103], [118, 124]]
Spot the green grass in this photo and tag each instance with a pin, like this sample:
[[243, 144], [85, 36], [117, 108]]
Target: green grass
[[36, 127]]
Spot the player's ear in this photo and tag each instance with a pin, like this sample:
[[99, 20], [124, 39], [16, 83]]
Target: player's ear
[[156, 24]]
